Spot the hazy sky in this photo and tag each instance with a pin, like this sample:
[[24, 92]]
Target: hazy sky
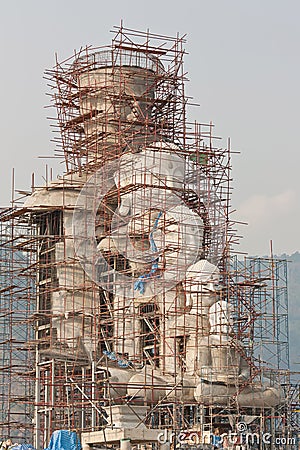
[[244, 70]]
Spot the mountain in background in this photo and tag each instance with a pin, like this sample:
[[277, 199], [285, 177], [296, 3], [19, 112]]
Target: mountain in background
[[294, 308]]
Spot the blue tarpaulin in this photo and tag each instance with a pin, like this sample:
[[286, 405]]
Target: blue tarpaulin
[[139, 285], [64, 440], [22, 447]]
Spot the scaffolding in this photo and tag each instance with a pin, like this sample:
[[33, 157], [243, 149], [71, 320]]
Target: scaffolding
[[16, 326], [123, 306]]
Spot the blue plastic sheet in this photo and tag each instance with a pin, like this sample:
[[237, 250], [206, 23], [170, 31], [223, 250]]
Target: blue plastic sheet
[[64, 440], [22, 447], [139, 285], [123, 363]]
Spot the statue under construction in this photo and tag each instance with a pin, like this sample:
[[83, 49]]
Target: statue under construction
[[145, 324]]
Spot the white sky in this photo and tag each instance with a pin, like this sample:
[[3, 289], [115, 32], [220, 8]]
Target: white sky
[[244, 70]]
